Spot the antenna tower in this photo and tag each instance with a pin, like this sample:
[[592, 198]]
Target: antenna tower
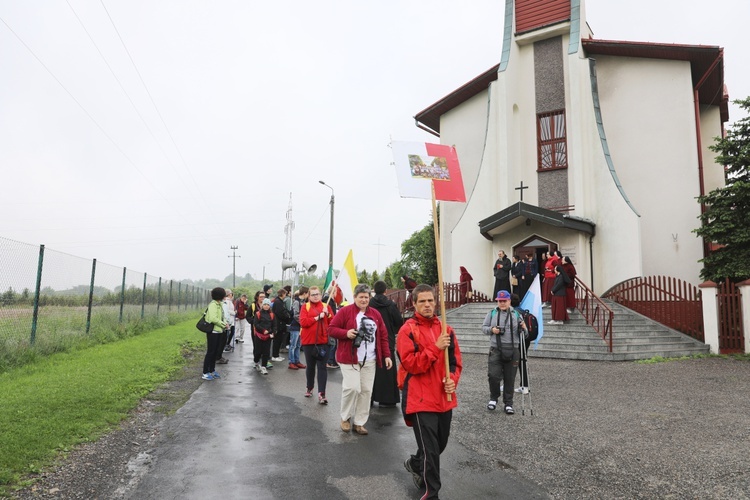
[[288, 228]]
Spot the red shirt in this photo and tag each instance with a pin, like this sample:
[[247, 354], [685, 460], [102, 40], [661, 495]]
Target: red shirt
[[312, 328]]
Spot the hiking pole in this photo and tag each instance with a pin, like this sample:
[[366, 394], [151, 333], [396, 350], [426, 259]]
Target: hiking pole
[[525, 361]]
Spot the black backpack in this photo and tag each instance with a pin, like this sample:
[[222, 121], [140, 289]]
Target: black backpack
[[532, 325]]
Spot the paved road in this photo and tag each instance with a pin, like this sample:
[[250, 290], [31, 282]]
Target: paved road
[[251, 436]]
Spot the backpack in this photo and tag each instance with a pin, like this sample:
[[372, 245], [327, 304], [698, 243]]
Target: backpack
[[532, 324], [401, 373]]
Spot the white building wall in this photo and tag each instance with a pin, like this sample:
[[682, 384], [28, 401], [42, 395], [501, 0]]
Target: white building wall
[[649, 117]]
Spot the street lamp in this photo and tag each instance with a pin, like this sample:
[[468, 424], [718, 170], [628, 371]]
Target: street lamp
[[330, 241]]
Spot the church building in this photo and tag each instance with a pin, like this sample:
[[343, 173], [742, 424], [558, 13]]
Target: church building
[[592, 146]]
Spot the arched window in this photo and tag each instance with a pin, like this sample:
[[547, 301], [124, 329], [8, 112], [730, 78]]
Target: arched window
[[552, 151]]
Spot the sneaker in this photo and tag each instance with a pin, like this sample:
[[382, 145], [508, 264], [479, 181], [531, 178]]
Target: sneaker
[[308, 393], [256, 366], [322, 399], [415, 476], [222, 361], [277, 358], [293, 366], [545, 305], [509, 410], [207, 376], [332, 367], [300, 365], [263, 370], [269, 365], [227, 349], [553, 322], [216, 375], [492, 405], [522, 390]]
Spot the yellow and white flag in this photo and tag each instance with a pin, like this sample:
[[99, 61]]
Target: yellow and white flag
[[347, 278]]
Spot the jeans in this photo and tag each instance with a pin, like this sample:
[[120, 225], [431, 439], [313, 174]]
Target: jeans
[[294, 346]]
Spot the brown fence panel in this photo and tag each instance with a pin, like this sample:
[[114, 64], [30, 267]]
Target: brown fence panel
[[729, 302], [670, 301]]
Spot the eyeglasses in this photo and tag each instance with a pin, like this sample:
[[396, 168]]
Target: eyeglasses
[[314, 295]]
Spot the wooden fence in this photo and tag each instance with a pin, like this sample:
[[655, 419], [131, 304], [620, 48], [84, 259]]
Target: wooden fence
[[670, 301], [731, 335]]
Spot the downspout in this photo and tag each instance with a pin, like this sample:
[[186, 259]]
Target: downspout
[[696, 103], [591, 260]]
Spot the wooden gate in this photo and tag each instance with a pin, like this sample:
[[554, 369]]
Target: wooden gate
[[670, 301], [729, 305]]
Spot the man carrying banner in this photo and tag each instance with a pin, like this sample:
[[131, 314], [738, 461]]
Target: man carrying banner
[[421, 346]]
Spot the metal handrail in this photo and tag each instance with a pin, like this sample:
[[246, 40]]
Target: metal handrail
[[595, 312]]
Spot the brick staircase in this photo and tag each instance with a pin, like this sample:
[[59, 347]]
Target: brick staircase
[[635, 336]]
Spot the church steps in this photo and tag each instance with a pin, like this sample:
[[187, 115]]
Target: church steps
[[635, 336]]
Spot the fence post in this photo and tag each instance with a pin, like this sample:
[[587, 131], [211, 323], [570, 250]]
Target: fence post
[[171, 282], [37, 291], [179, 294], [122, 292], [143, 296], [158, 297], [744, 288], [710, 316], [91, 297]]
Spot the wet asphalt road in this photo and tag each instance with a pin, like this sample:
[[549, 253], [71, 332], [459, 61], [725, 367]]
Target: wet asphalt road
[[249, 436]]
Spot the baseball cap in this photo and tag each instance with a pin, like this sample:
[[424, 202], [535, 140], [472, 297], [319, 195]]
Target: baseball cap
[[503, 295]]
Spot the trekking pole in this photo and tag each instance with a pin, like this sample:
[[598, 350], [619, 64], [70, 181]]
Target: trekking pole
[[525, 361]]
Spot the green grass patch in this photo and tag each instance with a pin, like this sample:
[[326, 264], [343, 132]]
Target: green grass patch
[[68, 398], [661, 359]]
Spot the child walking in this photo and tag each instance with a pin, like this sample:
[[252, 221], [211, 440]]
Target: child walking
[[264, 329]]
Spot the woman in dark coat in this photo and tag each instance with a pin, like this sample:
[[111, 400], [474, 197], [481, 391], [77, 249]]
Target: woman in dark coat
[[570, 271], [559, 287], [385, 390], [464, 286]]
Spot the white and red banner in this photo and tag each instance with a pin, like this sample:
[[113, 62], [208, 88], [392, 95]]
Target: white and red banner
[[420, 164]]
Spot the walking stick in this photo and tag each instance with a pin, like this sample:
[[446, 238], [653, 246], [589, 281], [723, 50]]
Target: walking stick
[[525, 360]]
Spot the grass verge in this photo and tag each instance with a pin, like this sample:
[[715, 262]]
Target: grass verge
[[661, 359], [68, 398]]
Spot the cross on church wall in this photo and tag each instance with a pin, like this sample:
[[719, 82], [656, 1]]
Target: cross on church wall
[[521, 188]]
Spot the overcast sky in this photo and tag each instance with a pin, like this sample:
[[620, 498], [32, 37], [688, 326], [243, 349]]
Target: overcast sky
[[244, 103]]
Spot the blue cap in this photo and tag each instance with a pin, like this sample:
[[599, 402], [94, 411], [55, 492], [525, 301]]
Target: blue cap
[[503, 295]]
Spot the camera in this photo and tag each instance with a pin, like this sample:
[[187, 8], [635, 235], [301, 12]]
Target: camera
[[502, 330]]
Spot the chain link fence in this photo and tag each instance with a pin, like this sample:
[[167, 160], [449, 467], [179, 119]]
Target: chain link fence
[[50, 300]]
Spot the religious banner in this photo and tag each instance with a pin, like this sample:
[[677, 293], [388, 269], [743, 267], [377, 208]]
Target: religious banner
[[419, 165], [347, 278]]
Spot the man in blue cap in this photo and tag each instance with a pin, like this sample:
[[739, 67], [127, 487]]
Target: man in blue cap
[[507, 330]]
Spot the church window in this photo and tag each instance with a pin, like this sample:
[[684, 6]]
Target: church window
[[552, 149]]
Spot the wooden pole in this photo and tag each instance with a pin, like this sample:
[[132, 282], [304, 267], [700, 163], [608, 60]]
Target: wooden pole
[[439, 259]]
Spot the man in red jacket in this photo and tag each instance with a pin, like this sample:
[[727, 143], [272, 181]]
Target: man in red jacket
[[421, 346]]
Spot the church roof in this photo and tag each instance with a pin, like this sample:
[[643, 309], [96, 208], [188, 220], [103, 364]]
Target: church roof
[[521, 212], [706, 62]]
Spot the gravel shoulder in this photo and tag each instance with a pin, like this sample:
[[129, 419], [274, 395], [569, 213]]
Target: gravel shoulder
[[677, 429]]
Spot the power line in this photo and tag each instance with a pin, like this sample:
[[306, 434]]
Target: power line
[[148, 92]]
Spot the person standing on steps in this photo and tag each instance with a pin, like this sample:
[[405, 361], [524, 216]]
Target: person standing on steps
[[501, 270]]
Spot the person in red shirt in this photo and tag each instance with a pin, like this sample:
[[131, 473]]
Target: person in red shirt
[[314, 317], [241, 306], [421, 347]]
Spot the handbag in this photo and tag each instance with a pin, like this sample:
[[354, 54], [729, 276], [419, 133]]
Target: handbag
[[204, 325], [513, 281], [319, 350]]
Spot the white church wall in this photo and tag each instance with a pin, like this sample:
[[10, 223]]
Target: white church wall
[[650, 126]]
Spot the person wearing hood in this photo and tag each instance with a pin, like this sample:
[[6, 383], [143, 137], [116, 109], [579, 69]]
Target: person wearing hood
[[559, 293], [465, 285], [385, 390], [265, 327]]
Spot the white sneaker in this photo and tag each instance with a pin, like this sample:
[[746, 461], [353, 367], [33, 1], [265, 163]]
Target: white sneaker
[[263, 370], [256, 366], [522, 390], [277, 359], [553, 322]]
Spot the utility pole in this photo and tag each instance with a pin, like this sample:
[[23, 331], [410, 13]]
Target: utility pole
[[234, 257], [378, 244], [330, 241]]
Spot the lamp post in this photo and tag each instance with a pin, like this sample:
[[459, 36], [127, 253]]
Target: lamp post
[[330, 241], [234, 257]]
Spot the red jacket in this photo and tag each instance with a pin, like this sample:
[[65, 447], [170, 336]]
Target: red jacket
[[425, 366], [241, 308], [345, 320], [549, 267], [310, 326]]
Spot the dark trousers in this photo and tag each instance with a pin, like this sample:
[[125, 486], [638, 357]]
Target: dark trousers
[[278, 341], [501, 369], [213, 340], [313, 362], [230, 336], [222, 343], [432, 431], [262, 350]]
